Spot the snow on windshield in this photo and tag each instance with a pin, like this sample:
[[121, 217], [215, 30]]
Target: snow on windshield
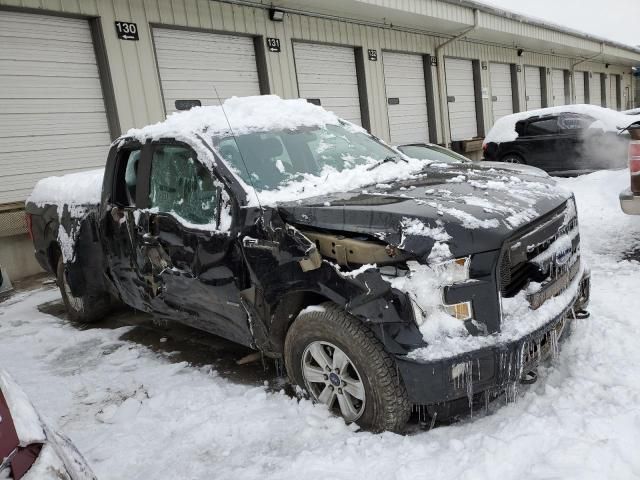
[[504, 129]]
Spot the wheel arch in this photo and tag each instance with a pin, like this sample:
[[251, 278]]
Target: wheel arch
[[287, 309]]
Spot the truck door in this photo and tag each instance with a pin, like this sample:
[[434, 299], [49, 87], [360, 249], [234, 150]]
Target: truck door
[[186, 244], [118, 224]]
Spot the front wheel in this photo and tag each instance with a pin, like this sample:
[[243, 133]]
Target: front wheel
[[512, 158], [88, 308], [341, 363]]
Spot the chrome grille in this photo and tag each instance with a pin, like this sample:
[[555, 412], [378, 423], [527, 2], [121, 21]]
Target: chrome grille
[[517, 268]]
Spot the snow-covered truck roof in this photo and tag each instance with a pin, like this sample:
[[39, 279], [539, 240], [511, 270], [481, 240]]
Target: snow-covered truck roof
[[240, 115], [504, 129]]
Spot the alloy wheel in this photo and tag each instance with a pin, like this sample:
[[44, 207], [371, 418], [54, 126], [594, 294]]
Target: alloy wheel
[[331, 378]]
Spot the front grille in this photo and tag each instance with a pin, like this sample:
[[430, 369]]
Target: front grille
[[520, 262]]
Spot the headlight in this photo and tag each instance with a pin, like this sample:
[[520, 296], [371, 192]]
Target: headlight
[[450, 272], [425, 287]]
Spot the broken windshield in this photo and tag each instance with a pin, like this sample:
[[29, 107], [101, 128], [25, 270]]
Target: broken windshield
[[275, 158]]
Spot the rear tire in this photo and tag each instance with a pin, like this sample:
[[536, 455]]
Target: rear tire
[[353, 364], [512, 158], [89, 308]]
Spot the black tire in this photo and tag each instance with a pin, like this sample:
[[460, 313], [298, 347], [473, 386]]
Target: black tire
[[385, 405], [513, 158], [90, 308]]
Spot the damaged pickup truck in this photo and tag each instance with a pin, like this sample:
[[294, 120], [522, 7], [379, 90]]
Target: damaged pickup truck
[[385, 283]]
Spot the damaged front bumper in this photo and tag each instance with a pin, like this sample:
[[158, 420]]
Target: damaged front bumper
[[492, 368]]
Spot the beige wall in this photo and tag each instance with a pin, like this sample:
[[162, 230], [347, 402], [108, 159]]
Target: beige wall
[[137, 87]]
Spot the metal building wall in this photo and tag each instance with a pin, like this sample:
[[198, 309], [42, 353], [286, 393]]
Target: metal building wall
[[137, 87]]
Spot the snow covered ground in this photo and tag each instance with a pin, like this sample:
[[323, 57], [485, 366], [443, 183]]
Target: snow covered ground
[[138, 414]]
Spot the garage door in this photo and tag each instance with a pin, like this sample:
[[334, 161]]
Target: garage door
[[501, 93], [191, 64], [532, 87], [557, 85], [613, 89], [579, 86], [406, 98], [595, 89], [327, 74], [461, 98], [52, 114]]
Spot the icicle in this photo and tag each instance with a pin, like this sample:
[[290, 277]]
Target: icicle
[[433, 420], [469, 379]]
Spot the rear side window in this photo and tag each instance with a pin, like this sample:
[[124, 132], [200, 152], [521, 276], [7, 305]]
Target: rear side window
[[545, 126], [126, 179], [181, 185]]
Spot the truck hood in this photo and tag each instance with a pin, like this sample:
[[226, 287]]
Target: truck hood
[[470, 208]]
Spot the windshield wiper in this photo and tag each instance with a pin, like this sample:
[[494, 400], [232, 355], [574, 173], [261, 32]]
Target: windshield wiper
[[390, 158]]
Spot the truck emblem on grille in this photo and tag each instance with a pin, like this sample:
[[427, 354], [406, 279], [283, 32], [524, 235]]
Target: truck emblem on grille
[[563, 255]]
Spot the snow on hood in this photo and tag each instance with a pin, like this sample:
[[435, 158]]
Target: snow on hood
[[25, 419], [75, 188], [240, 115], [504, 129]]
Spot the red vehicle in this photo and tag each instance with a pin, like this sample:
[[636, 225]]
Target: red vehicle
[[29, 450], [630, 198]]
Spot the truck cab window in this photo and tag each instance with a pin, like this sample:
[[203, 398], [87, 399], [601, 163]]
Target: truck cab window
[[181, 185], [127, 177]]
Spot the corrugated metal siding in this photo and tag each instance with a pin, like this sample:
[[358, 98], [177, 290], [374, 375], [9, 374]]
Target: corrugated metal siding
[[137, 86]]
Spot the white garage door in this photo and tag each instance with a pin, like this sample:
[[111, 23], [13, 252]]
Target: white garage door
[[193, 65], [557, 83], [328, 74], [461, 98], [501, 93], [579, 86], [613, 88], [52, 114], [595, 89], [532, 87], [406, 98]]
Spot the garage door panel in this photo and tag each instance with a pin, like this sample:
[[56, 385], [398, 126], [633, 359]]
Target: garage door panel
[[48, 49], [579, 87], [404, 80], [192, 64], [24, 125], [557, 87], [462, 111], [48, 69], [532, 87], [52, 113], [501, 91], [328, 73], [595, 90], [62, 142], [50, 105]]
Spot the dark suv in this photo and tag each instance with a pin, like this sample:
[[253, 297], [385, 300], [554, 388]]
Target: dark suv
[[562, 144]]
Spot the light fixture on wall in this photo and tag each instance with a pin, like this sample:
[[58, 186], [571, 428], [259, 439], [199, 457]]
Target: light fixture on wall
[[520, 52], [276, 15], [606, 65]]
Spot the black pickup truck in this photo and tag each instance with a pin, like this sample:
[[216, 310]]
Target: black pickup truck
[[384, 282]]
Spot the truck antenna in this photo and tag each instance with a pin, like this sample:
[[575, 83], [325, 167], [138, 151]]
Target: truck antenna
[[235, 139]]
